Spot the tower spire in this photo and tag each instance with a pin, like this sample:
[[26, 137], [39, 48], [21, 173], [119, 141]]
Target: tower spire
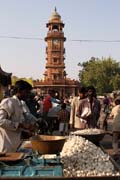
[[55, 9]]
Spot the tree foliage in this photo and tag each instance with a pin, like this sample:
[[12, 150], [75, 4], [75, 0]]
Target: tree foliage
[[15, 78], [102, 73]]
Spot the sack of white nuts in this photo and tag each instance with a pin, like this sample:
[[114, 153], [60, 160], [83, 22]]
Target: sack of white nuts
[[82, 158]]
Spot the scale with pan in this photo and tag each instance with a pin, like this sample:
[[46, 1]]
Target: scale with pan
[[44, 160]]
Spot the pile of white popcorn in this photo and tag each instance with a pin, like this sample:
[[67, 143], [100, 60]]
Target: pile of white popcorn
[[81, 158]]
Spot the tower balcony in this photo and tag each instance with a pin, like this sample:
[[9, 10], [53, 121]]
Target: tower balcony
[[48, 65], [50, 82], [60, 81], [54, 50], [54, 34], [57, 49]]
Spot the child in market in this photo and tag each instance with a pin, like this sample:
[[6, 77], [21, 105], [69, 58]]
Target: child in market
[[63, 117]]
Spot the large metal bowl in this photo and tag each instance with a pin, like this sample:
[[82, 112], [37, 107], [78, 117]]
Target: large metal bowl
[[94, 138], [45, 144]]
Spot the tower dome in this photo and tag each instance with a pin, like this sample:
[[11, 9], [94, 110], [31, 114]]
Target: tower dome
[[55, 16]]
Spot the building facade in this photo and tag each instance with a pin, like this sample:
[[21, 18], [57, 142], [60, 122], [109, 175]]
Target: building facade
[[55, 76]]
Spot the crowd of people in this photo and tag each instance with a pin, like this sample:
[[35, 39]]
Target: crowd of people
[[25, 113]]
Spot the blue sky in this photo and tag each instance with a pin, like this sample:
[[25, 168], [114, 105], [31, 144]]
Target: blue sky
[[84, 20]]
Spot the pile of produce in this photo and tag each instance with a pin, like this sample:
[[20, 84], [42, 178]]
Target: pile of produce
[[82, 158]]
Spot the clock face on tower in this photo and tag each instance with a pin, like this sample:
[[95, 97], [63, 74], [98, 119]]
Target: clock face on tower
[[55, 41]]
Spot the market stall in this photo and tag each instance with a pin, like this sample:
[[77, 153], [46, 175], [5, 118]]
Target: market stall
[[58, 157]]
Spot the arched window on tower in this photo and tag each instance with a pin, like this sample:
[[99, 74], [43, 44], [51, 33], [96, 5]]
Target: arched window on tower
[[55, 60], [54, 77], [61, 29], [55, 28]]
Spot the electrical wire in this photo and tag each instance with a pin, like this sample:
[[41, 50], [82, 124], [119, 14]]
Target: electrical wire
[[22, 38], [76, 40], [91, 40]]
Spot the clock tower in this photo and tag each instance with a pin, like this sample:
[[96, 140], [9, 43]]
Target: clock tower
[[55, 76], [55, 51]]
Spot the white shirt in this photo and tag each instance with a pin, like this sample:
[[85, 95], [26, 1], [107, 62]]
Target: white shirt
[[11, 114], [74, 107], [115, 113]]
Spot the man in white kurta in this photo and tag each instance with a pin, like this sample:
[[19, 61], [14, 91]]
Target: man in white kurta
[[115, 114], [10, 116], [12, 120], [74, 120]]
